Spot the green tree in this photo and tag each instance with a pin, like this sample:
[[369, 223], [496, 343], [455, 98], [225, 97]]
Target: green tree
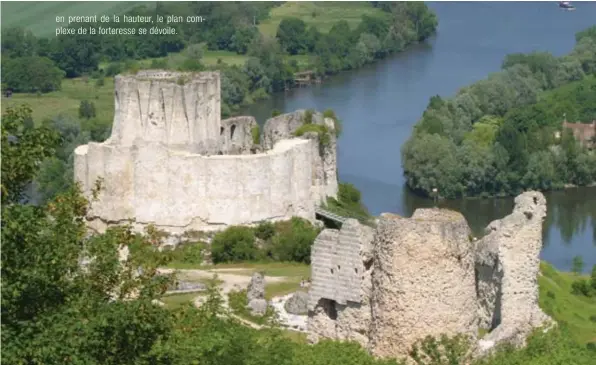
[[76, 55], [242, 38], [18, 42], [577, 266], [32, 74], [23, 149], [54, 308], [236, 243], [292, 36], [86, 109], [293, 240]]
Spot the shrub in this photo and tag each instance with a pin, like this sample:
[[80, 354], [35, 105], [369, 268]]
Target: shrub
[[256, 134], [320, 129], [188, 253], [445, 351], [578, 265], [329, 113], [181, 80], [113, 69], [581, 287], [100, 82], [86, 109], [275, 113], [191, 64], [265, 230], [293, 240], [238, 302], [259, 94], [307, 118], [555, 346], [349, 204], [235, 244], [159, 64]]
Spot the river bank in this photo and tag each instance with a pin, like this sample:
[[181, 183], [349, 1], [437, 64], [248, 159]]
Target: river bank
[[379, 104]]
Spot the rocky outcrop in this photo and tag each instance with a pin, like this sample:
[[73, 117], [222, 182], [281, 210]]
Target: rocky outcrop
[[507, 267], [340, 291], [297, 303], [255, 295], [423, 280]]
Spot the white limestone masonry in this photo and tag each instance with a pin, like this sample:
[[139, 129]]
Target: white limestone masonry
[[391, 287], [172, 162]]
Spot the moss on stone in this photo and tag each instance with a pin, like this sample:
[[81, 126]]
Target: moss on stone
[[329, 113], [256, 134], [307, 118], [321, 130]]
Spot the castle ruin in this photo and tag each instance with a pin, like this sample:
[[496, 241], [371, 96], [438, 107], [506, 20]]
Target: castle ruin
[[172, 162], [388, 288]]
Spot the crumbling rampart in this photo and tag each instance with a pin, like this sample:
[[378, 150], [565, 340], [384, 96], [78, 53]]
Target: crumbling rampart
[[172, 162], [341, 284], [425, 275]]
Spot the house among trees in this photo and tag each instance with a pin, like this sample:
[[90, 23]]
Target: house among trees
[[585, 133]]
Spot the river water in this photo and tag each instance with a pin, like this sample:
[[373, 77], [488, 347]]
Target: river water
[[379, 105]]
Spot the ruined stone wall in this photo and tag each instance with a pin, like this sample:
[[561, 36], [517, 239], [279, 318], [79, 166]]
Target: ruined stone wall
[[180, 191], [424, 276], [423, 280], [340, 291], [324, 156], [236, 136], [507, 267]]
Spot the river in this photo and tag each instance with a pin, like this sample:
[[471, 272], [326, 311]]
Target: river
[[379, 105]]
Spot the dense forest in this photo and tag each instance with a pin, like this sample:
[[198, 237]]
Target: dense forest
[[498, 136], [57, 311], [31, 64]]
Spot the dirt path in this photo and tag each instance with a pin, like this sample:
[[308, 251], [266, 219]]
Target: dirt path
[[229, 282]]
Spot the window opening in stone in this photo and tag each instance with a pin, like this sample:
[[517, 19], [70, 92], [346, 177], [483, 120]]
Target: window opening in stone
[[331, 271], [232, 130], [221, 131], [356, 270], [338, 267], [330, 309]]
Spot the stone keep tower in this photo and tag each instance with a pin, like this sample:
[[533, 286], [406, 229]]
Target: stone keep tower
[[172, 162], [178, 110]]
